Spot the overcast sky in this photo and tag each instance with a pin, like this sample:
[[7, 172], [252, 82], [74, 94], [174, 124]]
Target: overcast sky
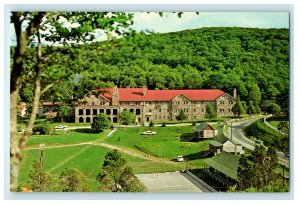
[[190, 20]]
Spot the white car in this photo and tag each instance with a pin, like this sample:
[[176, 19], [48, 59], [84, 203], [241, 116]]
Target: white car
[[61, 127], [179, 158]]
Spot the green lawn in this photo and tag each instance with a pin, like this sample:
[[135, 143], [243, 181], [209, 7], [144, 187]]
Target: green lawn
[[167, 143], [87, 158], [59, 138]]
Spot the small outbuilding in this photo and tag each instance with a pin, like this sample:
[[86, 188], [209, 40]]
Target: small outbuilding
[[228, 145], [223, 168], [204, 131]]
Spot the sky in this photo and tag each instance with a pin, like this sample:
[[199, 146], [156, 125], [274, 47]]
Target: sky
[[190, 20], [170, 22]]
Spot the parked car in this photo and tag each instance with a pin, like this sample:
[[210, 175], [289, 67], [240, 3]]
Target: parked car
[[148, 132], [179, 158], [61, 127]]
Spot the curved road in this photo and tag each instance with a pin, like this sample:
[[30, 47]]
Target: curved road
[[236, 133]]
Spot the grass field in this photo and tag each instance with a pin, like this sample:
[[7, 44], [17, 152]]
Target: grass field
[[60, 138], [167, 143]]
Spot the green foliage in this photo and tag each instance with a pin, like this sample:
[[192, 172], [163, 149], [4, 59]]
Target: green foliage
[[194, 123], [126, 117], [21, 126], [164, 124], [116, 175], [254, 94], [151, 124], [238, 108], [38, 179], [100, 123], [64, 111], [181, 116], [73, 180], [210, 112], [42, 129], [273, 108], [269, 136], [258, 169]]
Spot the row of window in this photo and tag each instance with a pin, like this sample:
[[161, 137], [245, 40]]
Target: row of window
[[222, 110], [107, 111]]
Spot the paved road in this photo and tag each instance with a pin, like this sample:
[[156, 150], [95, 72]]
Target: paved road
[[238, 136]]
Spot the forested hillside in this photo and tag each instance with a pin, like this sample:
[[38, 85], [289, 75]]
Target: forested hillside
[[223, 58]]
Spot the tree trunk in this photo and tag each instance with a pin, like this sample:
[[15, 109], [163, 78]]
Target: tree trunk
[[16, 73], [15, 152]]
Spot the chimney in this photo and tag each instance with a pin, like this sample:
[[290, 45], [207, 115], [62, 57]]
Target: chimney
[[234, 93], [115, 96], [144, 90]]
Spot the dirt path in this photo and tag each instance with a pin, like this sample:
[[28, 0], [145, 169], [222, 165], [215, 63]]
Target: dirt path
[[67, 159], [128, 151]]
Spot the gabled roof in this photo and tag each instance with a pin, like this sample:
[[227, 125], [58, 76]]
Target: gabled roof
[[202, 126], [136, 94], [225, 163], [221, 138], [215, 143]]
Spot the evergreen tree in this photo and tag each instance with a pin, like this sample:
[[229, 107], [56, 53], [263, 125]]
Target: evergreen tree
[[38, 179], [117, 176], [258, 169], [210, 112], [100, 123], [251, 108], [73, 180]]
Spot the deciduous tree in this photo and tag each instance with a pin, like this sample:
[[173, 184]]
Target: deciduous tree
[[210, 112], [100, 123], [181, 116], [126, 117]]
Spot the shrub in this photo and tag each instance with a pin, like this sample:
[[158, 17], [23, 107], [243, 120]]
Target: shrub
[[100, 123], [163, 124], [42, 129], [21, 127], [151, 124]]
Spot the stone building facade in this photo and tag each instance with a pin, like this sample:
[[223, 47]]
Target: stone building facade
[[152, 105]]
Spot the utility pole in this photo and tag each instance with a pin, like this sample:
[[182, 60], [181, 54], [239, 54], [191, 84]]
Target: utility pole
[[41, 146], [231, 129]]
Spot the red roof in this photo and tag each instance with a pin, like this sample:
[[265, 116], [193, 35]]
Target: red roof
[[136, 94]]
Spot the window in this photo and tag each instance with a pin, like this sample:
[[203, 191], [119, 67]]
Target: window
[[195, 110], [88, 112], [131, 110], [94, 111], [150, 110], [159, 110], [101, 110], [115, 111], [138, 111], [80, 112], [107, 111], [93, 103]]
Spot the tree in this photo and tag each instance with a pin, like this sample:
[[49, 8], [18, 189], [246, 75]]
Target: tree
[[181, 116], [238, 108], [31, 28], [38, 179], [251, 108], [255, 95], [210, 112], [126, 117], [100, 123], [258, 169], [273, 108], [73, 180], [64, 111], [117, 176]]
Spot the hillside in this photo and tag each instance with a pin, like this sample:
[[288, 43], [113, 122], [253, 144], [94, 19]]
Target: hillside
[[223, 58]]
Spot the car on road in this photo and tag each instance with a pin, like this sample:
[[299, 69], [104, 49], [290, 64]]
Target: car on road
[[61, 127], [179, 158]]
